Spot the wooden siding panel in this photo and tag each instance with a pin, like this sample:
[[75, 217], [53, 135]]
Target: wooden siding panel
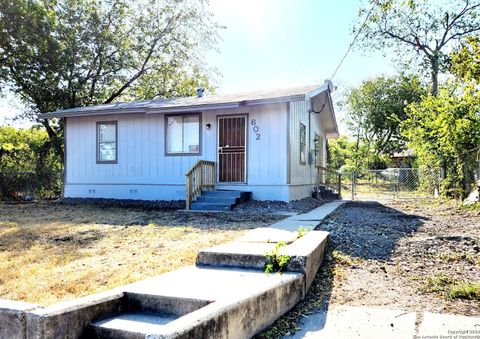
[[299, 112], [141, 149]]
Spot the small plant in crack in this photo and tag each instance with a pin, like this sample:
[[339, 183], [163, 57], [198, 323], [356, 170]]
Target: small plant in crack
[[302, 231], [276, 262]]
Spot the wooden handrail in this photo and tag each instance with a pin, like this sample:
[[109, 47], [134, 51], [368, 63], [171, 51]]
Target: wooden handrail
[[199, 178], [328, 170]]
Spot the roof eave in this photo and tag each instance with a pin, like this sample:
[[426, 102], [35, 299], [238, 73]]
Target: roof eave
[[63, 114], [332, 112], [174, 109]]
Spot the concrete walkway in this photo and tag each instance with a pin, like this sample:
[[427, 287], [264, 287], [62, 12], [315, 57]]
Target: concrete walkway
[[371, 323], [308, 220]]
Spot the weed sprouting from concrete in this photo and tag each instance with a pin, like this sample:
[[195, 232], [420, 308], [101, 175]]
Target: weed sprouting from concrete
[[302, 231], [276, 262]]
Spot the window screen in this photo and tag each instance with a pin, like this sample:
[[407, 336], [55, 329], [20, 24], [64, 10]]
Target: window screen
[[183, 134], [107, 142]]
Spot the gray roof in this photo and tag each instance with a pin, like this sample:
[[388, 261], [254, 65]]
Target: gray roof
[[206, 102]]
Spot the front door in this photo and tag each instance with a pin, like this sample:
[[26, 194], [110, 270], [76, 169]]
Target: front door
[[232, 148]]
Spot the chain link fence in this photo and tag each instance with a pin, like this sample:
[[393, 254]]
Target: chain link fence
[[395, 183], [30, 185]]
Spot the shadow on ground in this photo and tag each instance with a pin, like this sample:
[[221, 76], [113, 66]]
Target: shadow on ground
[[358, 231], [120, 214]]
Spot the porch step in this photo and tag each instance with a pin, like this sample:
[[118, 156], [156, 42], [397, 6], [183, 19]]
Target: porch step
[[221, 200], [218, 200], [211, 206], [327, 193], [244, 196]]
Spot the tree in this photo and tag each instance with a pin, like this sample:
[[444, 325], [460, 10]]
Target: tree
[[376, 109], [349, 156], [341, 152], [466, 61], [27, 160], [58, 54], [413, 28], [444, 130]]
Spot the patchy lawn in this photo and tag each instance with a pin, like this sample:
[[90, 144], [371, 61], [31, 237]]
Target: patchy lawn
[[404, 255], [51, 252]]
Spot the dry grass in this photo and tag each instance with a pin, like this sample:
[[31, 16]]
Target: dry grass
[[50, 253]]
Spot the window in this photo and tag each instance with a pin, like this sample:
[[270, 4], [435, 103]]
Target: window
[[183, 134], [107, 142], [318, 150], [303, 144]]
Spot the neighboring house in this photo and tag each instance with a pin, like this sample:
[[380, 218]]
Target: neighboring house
[[265, 142], [403, 159]]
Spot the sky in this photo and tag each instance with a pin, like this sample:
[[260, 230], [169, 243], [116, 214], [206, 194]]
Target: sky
[[280, 43]]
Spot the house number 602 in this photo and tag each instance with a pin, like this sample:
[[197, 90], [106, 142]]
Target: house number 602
[[255, 129]]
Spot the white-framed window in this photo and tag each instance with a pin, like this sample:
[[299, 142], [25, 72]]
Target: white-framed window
[[182, 134], [107, 142], [318, 150], [303, 143]]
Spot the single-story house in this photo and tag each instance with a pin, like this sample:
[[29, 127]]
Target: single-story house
[[264, 142]]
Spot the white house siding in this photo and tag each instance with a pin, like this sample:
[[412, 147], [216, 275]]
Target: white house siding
[[144, 172], [303, 176]]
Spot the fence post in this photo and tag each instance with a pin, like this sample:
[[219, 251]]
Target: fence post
[[353, 185], [340, 186]]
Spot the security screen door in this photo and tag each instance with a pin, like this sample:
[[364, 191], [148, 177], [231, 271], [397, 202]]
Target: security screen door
[[232, 147]]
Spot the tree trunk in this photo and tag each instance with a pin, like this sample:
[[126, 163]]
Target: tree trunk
[[435, 69], [55, 139]]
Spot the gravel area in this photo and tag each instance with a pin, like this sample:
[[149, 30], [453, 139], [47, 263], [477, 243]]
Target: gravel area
[[252, 206], [298, 206], [144, 204], [404, 255]]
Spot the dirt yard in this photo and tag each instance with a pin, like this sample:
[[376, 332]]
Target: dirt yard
[[401, 255], [51, 252]]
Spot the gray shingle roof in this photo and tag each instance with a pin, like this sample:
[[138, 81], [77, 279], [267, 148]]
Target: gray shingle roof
[[195, 103]]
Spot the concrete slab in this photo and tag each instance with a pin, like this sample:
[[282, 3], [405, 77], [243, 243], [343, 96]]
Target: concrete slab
[[209, 283], [268, 235], [244, 301], [319, 213], [240, 317], [306, 254], [69, 319], [448, 326], [12, 318], [7, 304], [235, 254], [139, 323], [158, 304], [308, 220], [293, 224], [358, 322]]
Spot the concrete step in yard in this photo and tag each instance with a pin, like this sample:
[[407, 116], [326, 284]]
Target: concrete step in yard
[[220, 200], [129, 325], [141, 315]]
